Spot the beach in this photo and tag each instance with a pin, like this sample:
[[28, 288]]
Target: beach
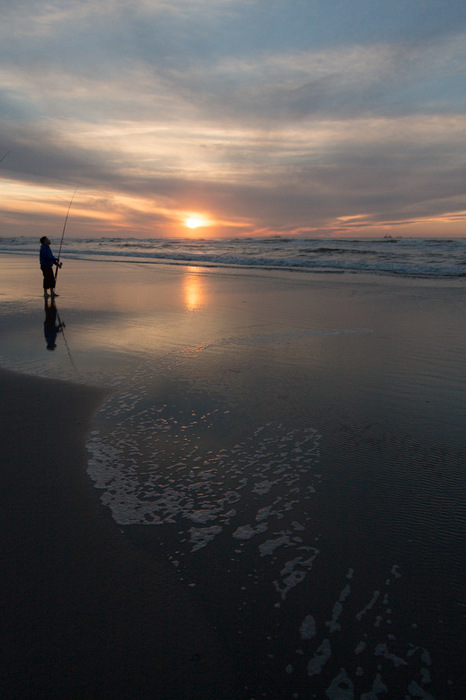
[[84, 613], [232, 483]]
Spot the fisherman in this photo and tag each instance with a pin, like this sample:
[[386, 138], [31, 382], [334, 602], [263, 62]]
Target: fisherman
[[47, 261]]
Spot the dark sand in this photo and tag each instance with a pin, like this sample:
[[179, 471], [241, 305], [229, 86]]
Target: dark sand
[[84, 612], [226, 378]]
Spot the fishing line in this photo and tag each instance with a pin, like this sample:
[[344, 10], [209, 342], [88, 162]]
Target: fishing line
[[64, 227], [3, 157], [62, 329]]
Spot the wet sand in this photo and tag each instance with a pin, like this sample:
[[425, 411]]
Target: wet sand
[[284, 456], [85, 613]]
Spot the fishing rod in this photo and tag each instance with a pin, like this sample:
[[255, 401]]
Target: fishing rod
[[63, 232]]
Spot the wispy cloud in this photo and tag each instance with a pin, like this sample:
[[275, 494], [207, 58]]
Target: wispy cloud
[[329, 118]]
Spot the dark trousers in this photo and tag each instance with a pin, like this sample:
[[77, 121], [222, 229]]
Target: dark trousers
[[49, 277]]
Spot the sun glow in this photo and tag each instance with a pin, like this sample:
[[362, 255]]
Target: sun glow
[[195, 221]]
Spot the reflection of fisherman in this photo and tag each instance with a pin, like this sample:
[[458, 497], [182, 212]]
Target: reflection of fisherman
[[51, 327], [47, 261]]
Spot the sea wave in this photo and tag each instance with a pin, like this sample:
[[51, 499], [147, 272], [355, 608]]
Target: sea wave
[[432, 258]]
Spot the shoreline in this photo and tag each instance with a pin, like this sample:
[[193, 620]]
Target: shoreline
[[85, 612]]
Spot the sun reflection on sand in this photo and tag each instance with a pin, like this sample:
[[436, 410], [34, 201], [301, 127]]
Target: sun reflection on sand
[[194, 291]]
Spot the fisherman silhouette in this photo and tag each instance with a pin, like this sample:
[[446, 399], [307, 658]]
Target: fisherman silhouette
[[51, 327], [47, 261]]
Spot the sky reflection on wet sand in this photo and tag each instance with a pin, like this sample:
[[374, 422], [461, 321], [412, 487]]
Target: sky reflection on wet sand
[[293, 447]]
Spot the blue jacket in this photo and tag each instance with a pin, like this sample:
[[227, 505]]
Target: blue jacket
[[46, 257]]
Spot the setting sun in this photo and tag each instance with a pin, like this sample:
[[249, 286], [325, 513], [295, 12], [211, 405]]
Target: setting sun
[[195, 222]]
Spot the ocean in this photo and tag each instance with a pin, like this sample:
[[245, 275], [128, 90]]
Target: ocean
[[431, 258]]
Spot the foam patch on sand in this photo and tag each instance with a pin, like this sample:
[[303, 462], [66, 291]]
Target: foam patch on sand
[[398, 664], [155, 465], [266, 478], [143, 486], [252, 502]]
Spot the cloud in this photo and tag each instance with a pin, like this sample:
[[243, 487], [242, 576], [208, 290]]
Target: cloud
[[268, 116]]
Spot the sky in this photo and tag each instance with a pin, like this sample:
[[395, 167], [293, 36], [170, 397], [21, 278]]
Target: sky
[[212, 118]]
